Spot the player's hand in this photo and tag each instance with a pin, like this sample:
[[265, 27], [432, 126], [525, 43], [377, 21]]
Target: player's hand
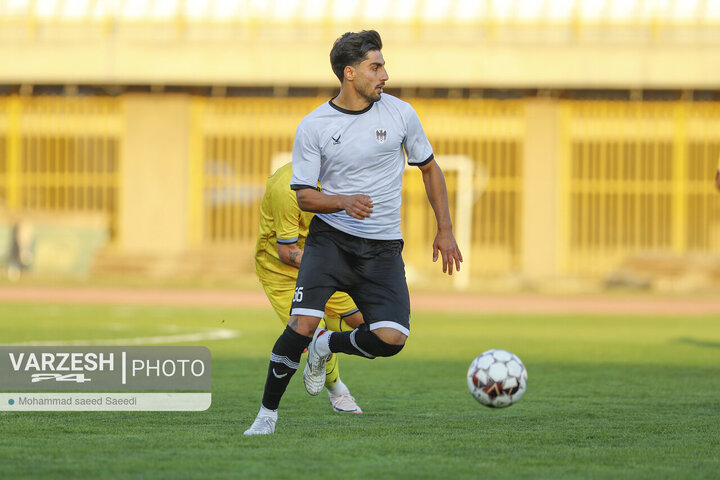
[[358, 206], [446, 245], [717, 180]]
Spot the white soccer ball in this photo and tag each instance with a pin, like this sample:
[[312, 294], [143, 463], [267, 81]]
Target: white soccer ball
[[497, 378]]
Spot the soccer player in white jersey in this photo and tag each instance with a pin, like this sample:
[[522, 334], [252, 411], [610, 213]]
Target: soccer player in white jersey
[[355, 145]]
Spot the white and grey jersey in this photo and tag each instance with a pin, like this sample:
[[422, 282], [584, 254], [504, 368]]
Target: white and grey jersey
[[360, 152]]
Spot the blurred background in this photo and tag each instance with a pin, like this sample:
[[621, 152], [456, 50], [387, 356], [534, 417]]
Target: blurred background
[[579, 139]]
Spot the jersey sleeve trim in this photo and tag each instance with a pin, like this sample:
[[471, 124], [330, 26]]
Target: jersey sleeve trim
[[347, 314], [428, 160], [301, 187], [287, 241]]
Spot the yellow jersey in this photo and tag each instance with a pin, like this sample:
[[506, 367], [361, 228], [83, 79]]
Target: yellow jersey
[[281, 221]]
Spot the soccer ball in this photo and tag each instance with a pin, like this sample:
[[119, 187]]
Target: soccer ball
[[497, 378]]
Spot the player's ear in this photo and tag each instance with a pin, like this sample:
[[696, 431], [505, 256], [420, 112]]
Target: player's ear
[[349, 73]]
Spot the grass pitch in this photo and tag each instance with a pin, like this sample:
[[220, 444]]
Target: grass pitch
[[608, 397]]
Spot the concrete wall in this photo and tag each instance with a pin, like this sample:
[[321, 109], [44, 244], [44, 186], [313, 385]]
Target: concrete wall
[[549, 57]]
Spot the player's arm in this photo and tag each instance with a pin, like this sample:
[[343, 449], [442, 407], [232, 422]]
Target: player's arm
[[717, 175], [286, 223], [311, 200], [444, 243], [290, 254]]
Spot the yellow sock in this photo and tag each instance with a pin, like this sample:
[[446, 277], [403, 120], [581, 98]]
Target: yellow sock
[[332, 371]]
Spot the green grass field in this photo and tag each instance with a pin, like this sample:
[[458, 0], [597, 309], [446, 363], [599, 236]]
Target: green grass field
[[608, 397]]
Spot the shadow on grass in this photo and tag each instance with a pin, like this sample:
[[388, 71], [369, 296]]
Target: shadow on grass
[[697, 343]]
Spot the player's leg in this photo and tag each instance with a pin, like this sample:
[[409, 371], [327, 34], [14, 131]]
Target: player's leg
[[341, 314], [339, 394], [375, 272], [280, 296], [362, 342], [285, 359], [284, 362], [306, 312], [351, 321], [344, 323], [381, 294], [332, 369]]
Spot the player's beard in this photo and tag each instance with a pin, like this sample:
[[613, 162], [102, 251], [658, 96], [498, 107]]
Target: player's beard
[[370, 95]]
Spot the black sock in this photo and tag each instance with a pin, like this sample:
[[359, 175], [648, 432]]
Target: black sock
[[340, 343], [284, 362], [363, 343]]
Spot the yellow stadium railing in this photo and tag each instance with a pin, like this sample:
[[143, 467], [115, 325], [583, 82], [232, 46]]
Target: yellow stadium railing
[[633, 177], [8, 121], [61, 154], [236, 140], [637, 177], [490, 134], [702, 201]]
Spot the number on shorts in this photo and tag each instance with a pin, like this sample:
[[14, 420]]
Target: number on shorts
[[298, 294]]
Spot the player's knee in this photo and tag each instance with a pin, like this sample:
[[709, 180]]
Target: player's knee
[[303, 325], [390, 335], [354, 320]]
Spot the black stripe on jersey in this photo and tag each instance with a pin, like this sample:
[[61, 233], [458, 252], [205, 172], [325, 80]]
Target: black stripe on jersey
[[429, 159], [287, 241], [295, 186]]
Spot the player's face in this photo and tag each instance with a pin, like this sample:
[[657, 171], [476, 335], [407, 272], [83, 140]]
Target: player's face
[[370, 76]]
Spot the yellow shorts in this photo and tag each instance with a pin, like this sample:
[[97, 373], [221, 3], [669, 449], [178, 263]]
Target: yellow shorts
[[339, 305]]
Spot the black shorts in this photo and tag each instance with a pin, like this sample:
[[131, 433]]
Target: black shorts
[[372, 272]]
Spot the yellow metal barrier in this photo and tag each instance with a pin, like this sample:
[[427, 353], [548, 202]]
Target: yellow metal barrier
[[239, 138], [636, 177], [4, 137], [702, 201], [490, 135], [61, 154], [633, 177]]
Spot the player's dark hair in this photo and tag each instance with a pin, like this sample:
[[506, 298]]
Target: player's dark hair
[[352, 48]]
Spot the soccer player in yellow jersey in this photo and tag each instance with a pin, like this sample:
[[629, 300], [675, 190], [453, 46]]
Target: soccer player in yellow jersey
[[278, 252]]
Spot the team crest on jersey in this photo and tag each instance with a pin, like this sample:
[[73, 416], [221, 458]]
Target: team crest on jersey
[[380, 135]]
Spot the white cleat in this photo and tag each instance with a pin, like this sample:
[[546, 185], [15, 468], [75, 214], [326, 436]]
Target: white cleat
[[314, 373], [344, 403], [262, 425]]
